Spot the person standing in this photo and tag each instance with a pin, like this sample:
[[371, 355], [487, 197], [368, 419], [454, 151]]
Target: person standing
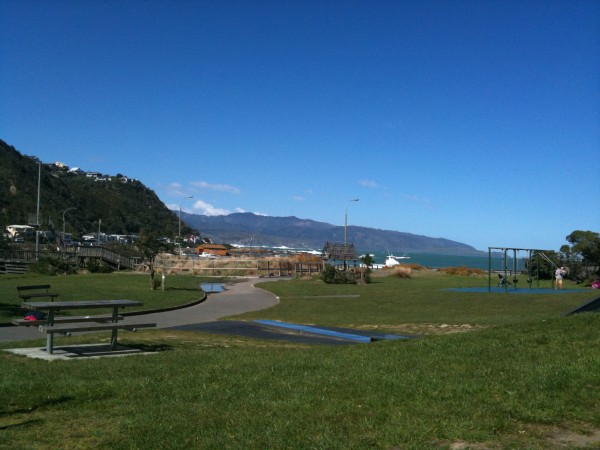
[[559, 274]]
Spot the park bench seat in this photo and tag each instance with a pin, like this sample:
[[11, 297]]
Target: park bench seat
[[80, 327], [103, 318], [25, 292]]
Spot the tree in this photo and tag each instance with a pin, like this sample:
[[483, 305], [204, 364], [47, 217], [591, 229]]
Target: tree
[[149, 246], [586, 245], [543, 266], [367, 260]]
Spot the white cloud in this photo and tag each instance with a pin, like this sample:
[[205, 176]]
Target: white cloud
[[215, 187], [298, 198], [371, 184], [207, 209]]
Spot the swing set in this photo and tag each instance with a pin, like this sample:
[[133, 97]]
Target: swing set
[[505, 272]]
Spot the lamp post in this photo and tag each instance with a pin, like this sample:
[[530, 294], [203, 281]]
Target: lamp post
[[37, 213], [179, 232], [346, 220], [64, 212]]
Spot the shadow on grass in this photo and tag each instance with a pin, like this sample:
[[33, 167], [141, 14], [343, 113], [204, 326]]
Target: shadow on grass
[[183, 289], [8, 310], [152, 347], [33, 422], [42, 404], [25, 424]]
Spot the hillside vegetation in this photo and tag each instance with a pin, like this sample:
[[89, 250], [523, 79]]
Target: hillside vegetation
[[124, 206]]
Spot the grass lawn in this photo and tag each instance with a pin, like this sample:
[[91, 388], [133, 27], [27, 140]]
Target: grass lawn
[[131, 286], [522, 376]]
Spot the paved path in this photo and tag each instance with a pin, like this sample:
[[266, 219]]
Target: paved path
[[238, 298]]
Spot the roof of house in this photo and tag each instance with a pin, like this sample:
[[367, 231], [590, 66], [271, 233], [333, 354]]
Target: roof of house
[[340, 251], [213, 246]]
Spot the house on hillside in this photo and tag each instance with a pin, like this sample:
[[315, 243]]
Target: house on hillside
[[20, 231]]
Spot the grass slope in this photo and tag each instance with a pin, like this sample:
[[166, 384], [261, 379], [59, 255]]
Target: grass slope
[[525, 378]]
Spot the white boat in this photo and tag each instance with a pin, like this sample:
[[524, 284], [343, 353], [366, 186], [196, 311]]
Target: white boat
[[392, 260]]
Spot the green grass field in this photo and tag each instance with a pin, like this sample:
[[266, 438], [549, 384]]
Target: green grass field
[[178, 290], [489, 371]]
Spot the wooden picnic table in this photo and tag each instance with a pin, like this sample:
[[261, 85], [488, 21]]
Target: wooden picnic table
[[53, 325]]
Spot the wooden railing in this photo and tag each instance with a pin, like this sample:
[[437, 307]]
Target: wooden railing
[[113, 258], [18, 258]]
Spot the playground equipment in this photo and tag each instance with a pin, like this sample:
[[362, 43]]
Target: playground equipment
[[504, 272], [504, 282]]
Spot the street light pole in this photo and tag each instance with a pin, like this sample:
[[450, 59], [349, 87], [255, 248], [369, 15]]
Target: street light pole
[[179, 232], [37, 214], [64, 212], [346, 220]]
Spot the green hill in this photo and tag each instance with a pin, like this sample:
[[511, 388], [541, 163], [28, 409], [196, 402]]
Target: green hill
[[124, 206]]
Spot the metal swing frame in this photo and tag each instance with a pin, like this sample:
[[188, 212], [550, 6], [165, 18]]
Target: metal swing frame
[[506, 271]]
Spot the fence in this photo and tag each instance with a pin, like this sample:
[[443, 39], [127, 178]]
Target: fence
[[17, 261], [261, 267]]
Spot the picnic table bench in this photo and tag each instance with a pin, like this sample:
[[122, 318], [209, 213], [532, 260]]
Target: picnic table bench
[[26, 294], [68, 325]]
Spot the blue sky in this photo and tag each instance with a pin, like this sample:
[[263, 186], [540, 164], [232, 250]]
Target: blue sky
[[476, 121]]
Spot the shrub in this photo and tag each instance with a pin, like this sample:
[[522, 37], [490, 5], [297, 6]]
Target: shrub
[[50, 266], [332, 276], [403, 272], [96, 267], [462, 271]]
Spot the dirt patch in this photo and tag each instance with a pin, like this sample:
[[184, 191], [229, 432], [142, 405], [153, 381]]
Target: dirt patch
[[574, 439], [462, 445], [425, 328]]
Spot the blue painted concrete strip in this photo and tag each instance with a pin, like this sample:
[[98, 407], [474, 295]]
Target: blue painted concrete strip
[[314, 330], [212, 287]]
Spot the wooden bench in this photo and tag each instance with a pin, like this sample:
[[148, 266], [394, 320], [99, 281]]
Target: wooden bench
[[25, 294], [81, 327]]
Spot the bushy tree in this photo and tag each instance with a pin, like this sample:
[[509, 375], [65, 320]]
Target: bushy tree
[[583, 253], [332, 276], [150, 246], [542, 267]]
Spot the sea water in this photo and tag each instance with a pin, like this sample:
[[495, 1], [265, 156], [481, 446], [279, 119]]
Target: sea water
[[435, 261]]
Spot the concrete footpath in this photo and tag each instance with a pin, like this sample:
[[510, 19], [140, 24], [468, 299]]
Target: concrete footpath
[[239, 297]]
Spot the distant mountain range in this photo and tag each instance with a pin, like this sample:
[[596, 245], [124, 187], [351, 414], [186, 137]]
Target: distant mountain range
[[120, 205], [251, 229]]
